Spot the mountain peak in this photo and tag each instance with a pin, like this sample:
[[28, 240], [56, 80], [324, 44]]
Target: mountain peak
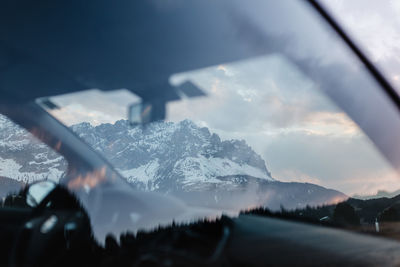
[[188, 123], [169, 154]]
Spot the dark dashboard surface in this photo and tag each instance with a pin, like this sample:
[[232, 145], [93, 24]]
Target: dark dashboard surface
[[259, 241]]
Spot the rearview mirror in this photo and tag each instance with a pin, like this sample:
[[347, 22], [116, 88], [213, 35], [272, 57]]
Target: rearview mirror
[[153, 108], [140, 113]]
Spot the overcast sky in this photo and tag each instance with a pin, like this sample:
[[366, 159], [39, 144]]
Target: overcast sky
[[267, 101], [302, 135], [375, 26]]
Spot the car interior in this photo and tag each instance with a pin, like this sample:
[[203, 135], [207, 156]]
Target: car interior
[[158, 52]]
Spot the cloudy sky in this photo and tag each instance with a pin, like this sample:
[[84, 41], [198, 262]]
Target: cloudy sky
[[269, 102], [301, 133], [375, 26]]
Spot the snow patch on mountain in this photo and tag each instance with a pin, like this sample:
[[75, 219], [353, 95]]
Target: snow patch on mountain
[[202, 169], [11, 169], [24, 158], [142, 174]]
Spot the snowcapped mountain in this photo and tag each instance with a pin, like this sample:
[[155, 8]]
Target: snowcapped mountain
[[24, 159], [172, 158], [167, 156]]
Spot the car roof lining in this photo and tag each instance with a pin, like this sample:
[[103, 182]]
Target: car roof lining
[[96, 44]]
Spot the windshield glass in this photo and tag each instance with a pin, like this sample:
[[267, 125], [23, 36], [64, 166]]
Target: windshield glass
[[272, 130], [263, 135], [265, 116], [193, 133]]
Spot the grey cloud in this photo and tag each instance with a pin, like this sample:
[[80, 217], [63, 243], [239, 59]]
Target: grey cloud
[[278, 96]]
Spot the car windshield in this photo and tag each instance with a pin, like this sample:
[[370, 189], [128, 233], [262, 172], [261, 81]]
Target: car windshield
[[262, 134], [285, 126]]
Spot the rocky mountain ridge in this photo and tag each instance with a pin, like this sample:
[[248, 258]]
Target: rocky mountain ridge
[[165, 156]]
